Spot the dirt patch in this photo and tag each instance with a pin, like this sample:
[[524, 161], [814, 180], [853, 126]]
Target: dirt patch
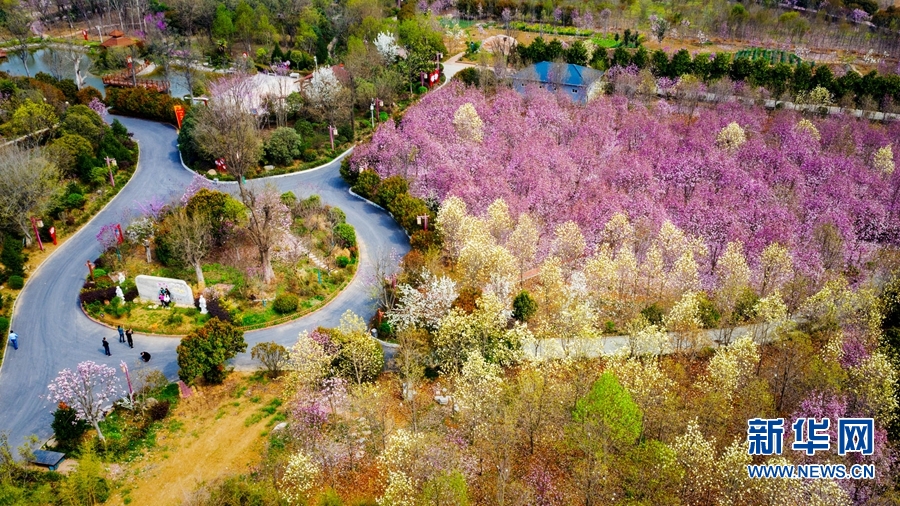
[[217, 432]]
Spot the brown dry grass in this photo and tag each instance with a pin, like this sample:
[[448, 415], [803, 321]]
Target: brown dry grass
[[206, 438]]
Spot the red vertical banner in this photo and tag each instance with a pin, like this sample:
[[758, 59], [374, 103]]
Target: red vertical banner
[[53, 234], [84, 34], [128, 60], [119, 237], [179, 114]]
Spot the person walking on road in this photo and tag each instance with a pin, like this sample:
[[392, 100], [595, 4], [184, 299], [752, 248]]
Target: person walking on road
[[129, 335], [106, 347], [121, 334], [14, 339]]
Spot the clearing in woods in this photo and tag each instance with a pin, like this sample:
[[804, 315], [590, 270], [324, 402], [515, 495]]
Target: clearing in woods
[[217, 432]]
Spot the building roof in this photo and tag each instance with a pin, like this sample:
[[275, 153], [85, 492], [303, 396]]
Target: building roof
[[573, 75], [118, 42]]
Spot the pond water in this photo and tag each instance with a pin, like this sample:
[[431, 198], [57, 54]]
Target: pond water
[[40, 61]]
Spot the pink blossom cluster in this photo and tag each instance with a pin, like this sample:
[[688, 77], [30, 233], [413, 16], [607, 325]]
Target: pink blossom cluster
[[562, 161]]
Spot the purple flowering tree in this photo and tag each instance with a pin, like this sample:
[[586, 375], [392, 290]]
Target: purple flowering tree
[[557, 161], [108, 236], [198, 183], [89, 390], [100, 108]]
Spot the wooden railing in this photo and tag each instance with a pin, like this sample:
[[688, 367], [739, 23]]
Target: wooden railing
[[125, 79]]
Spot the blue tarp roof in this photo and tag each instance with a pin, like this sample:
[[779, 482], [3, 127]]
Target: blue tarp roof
[[574, 75]]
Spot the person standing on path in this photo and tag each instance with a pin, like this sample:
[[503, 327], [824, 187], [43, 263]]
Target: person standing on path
[[129, 335], [121, 334], [14, 339], [106, 347]]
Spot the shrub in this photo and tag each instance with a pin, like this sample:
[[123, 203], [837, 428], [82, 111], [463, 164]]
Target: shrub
[[423, 240], [159, 411], [4, 324], [406, 210], [272, 355], [87, 94], [421, 89], [653, 313], [304, 128], [385, 329], [347, 172], [98, 295], [204, 351], [12, 258], [283, 146], [285, 303], [469, 76], [389, 189], [214, 309], [336, 215], [345, 233], [16, 282], [74, 201], [367, 184], [67, 428], [309, 155], [342, 261], [524, 306]]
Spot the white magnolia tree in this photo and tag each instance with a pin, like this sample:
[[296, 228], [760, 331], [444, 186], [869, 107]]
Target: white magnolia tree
[[89, 389], [426, 306], [387, 46]]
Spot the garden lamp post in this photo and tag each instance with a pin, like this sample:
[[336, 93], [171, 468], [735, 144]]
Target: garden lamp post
[[423, 220], [372, 112], [37, 223], [316, 61], [124, 367], [110, 163], [331, 132]]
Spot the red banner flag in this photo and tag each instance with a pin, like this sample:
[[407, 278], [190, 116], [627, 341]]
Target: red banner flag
[[179, 114]]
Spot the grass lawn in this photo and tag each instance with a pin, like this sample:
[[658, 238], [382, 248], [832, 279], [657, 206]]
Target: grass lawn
[[218, 432], [149, 317]]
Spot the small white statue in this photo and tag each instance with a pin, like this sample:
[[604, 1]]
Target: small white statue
[[202, 304], [119, 293]]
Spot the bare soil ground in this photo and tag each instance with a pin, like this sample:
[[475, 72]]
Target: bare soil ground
[[213, 434]]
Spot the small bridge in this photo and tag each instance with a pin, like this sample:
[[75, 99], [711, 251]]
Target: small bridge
[[125, 79]]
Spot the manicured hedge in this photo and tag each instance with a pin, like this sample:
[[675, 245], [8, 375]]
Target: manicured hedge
[[143, 103]]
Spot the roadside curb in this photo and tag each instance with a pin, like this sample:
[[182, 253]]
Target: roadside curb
[[12, 313], [265, 178], [181, 336]]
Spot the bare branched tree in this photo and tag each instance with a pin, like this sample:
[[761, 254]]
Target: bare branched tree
[[27, 180], [227, 129], [269, 219], [191, 235], [18, 23]]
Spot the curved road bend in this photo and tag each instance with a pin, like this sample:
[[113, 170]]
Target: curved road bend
[[54, 334]]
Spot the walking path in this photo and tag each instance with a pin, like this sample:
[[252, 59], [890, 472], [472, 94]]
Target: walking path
[[54, 334]]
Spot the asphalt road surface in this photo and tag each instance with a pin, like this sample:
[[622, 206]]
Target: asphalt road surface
[[54, 334]]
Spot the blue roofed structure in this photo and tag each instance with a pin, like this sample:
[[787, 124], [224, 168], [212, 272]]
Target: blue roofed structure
[[574, 79]]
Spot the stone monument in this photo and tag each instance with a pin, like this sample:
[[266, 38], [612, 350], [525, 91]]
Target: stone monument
[[149, 287]]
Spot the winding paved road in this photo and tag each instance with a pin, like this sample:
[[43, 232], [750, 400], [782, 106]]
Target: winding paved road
[[54, 334]]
